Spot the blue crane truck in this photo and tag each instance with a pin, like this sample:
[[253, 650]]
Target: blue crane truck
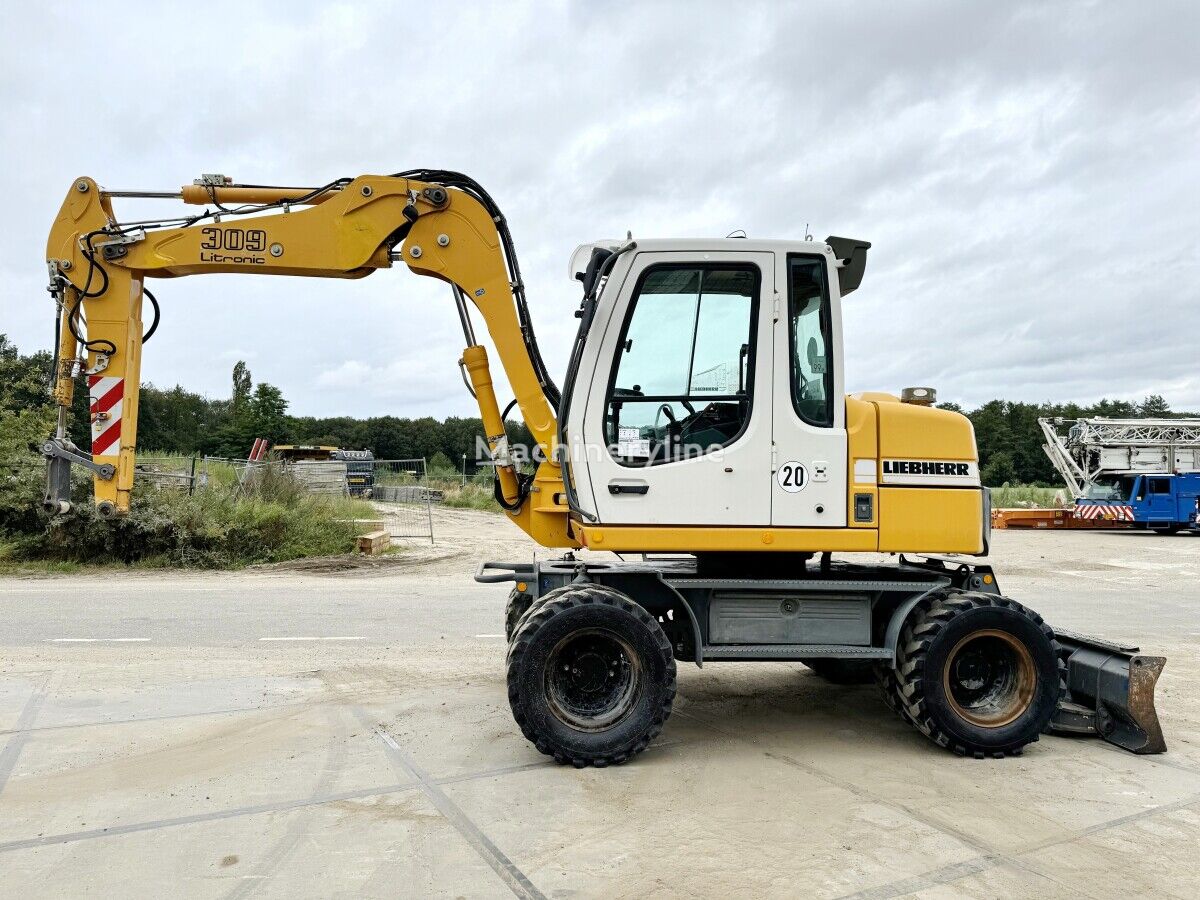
[[1140, 471]]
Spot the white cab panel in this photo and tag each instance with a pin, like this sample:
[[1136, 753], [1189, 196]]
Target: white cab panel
[[679, 349], [808, 481]]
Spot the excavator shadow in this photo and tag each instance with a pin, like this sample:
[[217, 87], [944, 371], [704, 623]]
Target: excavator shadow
[[789, 700], [1110, 695]]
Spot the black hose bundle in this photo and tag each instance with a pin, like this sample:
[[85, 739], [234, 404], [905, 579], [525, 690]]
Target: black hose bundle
[[472, 187]]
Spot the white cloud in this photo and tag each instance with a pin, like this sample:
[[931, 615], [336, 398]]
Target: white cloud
[[1027, 173], [407, 387]]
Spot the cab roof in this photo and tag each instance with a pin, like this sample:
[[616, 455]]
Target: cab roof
[[850, 253]]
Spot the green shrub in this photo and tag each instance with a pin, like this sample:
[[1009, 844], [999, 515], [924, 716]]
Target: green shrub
[[1013, 496], [1000, 469], [477, 493], [441, 466], [273, 520], [273, 483]]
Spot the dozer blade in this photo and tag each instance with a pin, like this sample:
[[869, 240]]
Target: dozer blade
[[1110, 693]]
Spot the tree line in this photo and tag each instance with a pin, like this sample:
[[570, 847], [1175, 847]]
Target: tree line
[[1010, 440], [176, 420]]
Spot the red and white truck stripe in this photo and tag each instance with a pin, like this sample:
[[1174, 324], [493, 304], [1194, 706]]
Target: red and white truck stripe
[[106, 394], [1110, 511]]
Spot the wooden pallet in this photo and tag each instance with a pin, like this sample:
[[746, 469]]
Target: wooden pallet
[[374, 542]]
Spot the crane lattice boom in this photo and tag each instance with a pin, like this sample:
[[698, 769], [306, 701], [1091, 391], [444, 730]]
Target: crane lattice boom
[[1093, 448]]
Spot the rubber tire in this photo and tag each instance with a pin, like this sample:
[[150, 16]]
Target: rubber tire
[[889, 687], [518, 604], [933, 630], [568, 609], [842, 671]]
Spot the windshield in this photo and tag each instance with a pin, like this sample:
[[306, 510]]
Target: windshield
[[1109, 489], [685, 363]]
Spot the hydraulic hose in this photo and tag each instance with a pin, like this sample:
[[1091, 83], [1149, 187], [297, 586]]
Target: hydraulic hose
[[475, 189]]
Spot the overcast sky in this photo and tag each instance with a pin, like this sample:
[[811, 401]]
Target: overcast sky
[[1027, 173]]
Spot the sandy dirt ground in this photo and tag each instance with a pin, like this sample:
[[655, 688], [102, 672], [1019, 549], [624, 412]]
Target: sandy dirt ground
[[342, 729]]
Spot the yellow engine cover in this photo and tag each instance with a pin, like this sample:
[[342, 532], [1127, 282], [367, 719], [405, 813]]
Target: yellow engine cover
[[930, 499]]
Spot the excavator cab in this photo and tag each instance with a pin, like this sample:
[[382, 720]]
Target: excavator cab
[[706, 412]]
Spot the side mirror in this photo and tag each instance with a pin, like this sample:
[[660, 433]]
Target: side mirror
[[852, 261], [592, 273]]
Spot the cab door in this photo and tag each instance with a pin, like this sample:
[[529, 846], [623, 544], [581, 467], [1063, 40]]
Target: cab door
[[677, 425], [809, 464], [1161, 497]]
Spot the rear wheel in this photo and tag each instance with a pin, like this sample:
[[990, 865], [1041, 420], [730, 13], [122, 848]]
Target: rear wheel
[[591, 676], [978, 674]]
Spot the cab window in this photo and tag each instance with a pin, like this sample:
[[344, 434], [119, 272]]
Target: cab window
[[808, 329], [1115, 488], [683, 376]]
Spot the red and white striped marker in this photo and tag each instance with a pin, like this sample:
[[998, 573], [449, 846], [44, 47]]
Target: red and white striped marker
[[106, 394], [1111, 511]]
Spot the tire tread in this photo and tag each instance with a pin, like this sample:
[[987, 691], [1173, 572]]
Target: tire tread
[[929, 618], [518, 605], [553, 604]]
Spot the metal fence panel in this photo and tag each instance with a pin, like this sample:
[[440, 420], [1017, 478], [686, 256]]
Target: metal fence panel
[[174, 472], [331, 477], [323, 476], [400, 489]]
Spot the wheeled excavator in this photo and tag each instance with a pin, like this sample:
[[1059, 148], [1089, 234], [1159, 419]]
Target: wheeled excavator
[[701, 426]]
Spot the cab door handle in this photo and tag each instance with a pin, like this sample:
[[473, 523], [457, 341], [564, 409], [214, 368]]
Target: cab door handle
[[615, 488]]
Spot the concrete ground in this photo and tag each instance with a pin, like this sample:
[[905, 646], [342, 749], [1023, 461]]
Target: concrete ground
[[311, 731]]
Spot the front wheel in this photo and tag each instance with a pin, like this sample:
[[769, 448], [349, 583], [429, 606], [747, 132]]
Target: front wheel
[[978, 674], [591, 676], [518, 604]]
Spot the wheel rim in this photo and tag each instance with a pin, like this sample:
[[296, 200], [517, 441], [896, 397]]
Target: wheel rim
[[989, 678], [593, 679]]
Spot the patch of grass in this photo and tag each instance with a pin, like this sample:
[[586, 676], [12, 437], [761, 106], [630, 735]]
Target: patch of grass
[[271, 519], [475, 494], [12, 566], [1029, 496]]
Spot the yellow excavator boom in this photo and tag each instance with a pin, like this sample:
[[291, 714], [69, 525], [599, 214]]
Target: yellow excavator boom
[[347, 229]]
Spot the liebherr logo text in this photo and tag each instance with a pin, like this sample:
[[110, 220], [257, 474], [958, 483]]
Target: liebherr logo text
[[247, 245], [924, 467]]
